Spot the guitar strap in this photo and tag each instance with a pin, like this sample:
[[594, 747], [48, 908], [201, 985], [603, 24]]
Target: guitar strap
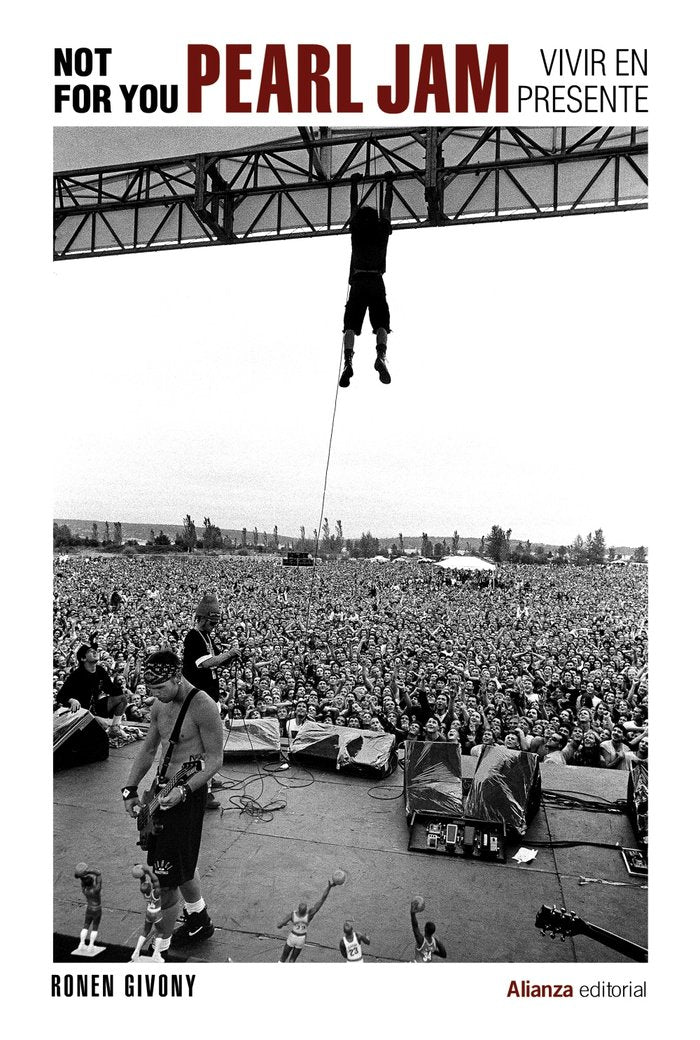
[[174, 736]]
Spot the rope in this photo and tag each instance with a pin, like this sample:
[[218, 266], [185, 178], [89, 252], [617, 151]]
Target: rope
[[325, 485]]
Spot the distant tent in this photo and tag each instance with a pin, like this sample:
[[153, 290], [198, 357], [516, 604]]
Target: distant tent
[[466, 563], [626, 561]]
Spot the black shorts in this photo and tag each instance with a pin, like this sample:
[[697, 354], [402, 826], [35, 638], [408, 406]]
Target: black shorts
[[173, 853], [366, 293], [105, 706]]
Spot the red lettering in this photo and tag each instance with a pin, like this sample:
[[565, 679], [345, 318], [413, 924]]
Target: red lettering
[[344, 93], [200, 75], [274, 79], [432, 80], [468, 71], [403, 65], [310, 73], [234, 75]]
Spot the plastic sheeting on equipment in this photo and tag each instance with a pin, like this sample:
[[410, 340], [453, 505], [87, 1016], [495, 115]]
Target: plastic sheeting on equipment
[[67, 722], [506, 788], [638, 800], [251, 737], [363, 752], [433, 778], [78, 739]]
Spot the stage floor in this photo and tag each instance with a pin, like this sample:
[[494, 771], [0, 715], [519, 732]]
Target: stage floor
[[254, 872]]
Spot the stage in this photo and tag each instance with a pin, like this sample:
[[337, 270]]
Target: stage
[[255, 872]]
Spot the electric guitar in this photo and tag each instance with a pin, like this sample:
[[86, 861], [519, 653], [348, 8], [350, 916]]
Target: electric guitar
[[147, 819], [566, 923]]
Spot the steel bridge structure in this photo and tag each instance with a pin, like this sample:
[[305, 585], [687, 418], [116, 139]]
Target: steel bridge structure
[[299, 186]]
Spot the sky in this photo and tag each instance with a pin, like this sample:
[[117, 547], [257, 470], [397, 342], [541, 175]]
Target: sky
[[202, 381], [78, 147]]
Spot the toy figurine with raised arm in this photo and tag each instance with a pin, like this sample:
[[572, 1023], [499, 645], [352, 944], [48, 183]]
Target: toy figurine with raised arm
[[91, 884], [152, 923]]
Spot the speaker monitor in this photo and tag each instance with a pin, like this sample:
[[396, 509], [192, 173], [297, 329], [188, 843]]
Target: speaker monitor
[[251, 738], [78, 739], [361, 752], [638, 801], [507, 788], [433, 778]]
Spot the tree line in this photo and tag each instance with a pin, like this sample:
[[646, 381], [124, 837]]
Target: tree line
[[330, 543], [187, 539], [63, 537], [497, 546]]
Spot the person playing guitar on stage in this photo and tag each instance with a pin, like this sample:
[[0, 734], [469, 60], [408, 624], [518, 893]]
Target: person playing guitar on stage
[[185, 722]]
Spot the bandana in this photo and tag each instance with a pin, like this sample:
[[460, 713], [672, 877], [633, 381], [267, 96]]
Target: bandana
[[157, 672]]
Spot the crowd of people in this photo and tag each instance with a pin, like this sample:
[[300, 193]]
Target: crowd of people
[[551, 659]]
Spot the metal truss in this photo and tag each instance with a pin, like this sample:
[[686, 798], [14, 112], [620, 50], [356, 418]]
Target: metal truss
[[299, 187]]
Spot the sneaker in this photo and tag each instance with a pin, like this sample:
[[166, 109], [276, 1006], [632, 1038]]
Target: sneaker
[[380, 366], [194, 928], [347, 374], [212, 802], [216, 784]]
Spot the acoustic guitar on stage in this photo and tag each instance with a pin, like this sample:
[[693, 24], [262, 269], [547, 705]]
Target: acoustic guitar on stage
[[147, 819], [565, 923]]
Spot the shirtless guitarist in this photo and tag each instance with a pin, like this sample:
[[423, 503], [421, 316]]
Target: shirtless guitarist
[[173, 851]]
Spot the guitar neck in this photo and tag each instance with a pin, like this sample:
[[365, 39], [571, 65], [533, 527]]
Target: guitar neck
[[182, 774], [171, 784], [614, 942]]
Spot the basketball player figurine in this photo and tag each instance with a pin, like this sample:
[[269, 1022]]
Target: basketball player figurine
[[301, 918], [150, 890], [91, 884], [351, 943], [428, 945]]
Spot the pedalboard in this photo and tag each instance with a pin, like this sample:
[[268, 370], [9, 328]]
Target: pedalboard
[[636, 862], [465, 837]]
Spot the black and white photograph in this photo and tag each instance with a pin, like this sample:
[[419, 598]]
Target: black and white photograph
[[342, 513], [349, 426]]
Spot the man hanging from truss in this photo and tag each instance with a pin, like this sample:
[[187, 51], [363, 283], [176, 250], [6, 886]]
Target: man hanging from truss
[[370, 234]]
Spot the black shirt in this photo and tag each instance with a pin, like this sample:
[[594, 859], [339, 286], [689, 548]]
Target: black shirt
[[87, 687], [196, 647], [445, 720], [369, 245]]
